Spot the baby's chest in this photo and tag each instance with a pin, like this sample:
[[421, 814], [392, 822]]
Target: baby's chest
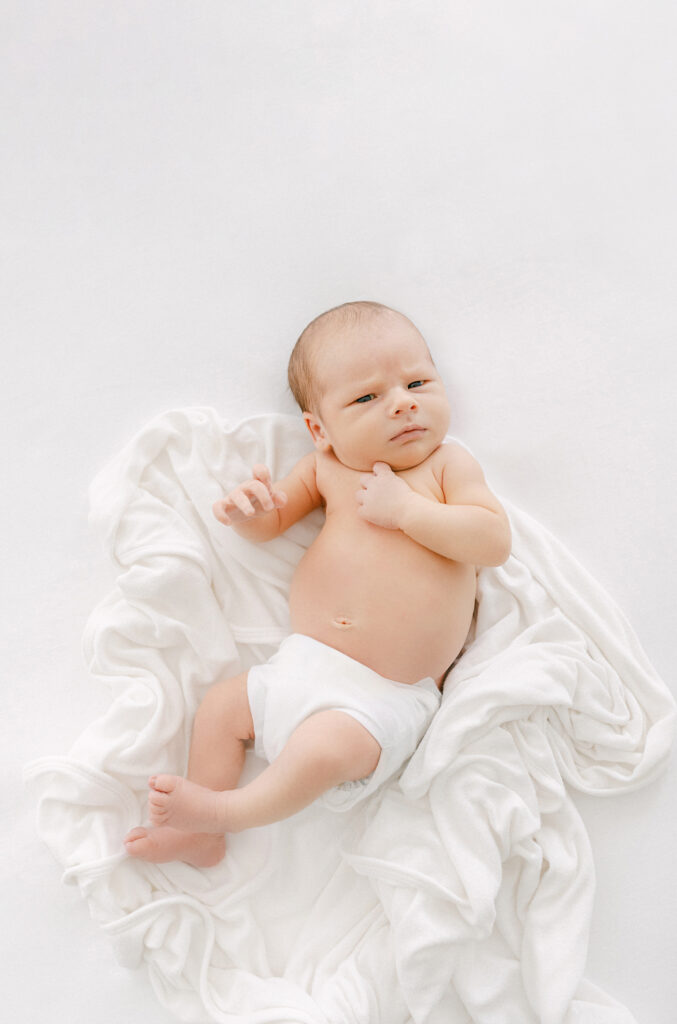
[[340, 487]]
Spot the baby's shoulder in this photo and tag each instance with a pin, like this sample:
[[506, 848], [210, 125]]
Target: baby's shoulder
[[304, 477], [453, 456], [444, 464], [454, 465]]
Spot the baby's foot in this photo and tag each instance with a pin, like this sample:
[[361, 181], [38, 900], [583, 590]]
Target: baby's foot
[[159, 845], [185, 805]]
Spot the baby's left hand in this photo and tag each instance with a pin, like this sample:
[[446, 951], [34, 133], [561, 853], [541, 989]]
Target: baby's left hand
[[383, 497]]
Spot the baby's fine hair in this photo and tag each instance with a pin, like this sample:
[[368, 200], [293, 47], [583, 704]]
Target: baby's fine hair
[[302, 362]]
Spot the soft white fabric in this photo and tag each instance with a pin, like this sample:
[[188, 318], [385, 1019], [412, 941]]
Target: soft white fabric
[[305, 676], [463, 892]]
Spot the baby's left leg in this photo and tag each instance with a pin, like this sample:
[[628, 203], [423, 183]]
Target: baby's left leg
[[328, 748]]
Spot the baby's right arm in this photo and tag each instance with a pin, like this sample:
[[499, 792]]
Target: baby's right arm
[[260, 510]]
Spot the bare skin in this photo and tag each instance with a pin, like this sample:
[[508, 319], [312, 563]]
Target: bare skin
[[408, 520], [213, 773]]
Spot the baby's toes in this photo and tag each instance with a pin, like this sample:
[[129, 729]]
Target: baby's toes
[[159, 808], [159, 816], [163, 783], [136, 842]]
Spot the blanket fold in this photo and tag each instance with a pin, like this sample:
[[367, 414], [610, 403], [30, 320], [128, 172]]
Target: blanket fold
[[460, 893]]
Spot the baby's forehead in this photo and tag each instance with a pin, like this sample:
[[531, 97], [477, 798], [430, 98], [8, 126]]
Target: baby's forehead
[[367, 345]]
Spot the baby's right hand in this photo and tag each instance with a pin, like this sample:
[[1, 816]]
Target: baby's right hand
[[253, 498]]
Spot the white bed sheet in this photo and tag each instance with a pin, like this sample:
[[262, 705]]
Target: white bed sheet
[[185, 186]]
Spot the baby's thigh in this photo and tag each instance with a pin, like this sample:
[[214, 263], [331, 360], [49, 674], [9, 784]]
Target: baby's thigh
[[336, 738], [227, 703]]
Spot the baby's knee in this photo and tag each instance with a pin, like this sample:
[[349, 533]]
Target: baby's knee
[[364, 755], [228, 701], [343, 747]]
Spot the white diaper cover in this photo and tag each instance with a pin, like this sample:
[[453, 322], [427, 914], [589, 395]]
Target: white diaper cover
[[305, 676]]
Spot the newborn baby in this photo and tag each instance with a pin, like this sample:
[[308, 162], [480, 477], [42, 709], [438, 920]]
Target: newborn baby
[[381, 603]]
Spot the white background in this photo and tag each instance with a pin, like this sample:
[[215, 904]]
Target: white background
[[185, 185]]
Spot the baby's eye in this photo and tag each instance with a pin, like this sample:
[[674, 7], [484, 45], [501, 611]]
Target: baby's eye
[[365, 398], [416, 384]]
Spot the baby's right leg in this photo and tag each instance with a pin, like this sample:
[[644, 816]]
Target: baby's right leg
[[223, 725]]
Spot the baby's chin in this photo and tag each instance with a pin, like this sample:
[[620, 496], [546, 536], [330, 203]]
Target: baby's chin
[[398, 461]]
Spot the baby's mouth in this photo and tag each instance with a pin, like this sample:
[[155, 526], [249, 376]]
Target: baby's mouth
[[411, 430]]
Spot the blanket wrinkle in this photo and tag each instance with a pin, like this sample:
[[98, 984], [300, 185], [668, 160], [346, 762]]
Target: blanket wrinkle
[[459, 894]]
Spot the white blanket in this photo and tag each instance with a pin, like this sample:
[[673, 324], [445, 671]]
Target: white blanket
[[461, 893]]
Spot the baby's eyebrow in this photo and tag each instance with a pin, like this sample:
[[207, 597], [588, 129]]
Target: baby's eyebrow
[[366, 386]]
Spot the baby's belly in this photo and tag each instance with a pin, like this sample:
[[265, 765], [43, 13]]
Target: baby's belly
[[384, 600]]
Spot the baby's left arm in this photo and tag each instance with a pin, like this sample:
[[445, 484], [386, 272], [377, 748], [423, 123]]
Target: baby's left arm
[[471, 525]]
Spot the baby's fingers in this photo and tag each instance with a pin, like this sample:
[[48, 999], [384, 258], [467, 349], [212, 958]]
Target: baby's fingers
[[252, 493], [238, 500], [247, 500], [219, 510], [262, 473]]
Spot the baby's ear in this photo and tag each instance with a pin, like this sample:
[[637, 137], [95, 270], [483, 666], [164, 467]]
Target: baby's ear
[[317, 432]]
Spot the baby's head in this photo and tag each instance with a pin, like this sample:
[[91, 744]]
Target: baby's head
[[368, 388]]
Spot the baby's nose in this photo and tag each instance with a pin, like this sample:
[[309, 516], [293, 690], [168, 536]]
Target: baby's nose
[[403, 400]]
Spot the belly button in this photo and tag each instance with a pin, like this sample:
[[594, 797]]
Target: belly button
[[341, 622]]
